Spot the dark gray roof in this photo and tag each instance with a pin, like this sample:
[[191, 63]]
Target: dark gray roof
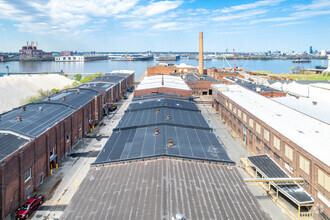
[[114, 78], [193, 78], [140, 143], [271, 170], [72, 98], [160, 102], [178, 117], [34, 122], [159, 189], [9, 143], [251, 85], [97, 86]]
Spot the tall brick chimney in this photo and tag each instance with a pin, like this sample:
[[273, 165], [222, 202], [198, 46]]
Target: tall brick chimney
[[200, 56]]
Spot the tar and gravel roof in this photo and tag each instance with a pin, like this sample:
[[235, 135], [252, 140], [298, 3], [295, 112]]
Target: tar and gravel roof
[[251, 85], [134, 137], [308, 133], [10, 142], [165, 81], [159, 189]]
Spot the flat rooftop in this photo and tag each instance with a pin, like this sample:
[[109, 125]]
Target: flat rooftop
[[318, 110], [114, 77], [252, 85], [190, 77], [10, 143], [159, 189], [310, 134], [270, 169], [34, 122], [99, 86], [74, 98], [174, 82]]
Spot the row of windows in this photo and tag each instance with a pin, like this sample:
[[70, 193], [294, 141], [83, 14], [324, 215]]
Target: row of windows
[[304, 164]]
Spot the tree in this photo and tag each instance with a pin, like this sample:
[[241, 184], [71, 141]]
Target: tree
[[77, 77]]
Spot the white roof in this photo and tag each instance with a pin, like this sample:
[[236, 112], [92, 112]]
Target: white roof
[[319, 111], [310, 134], [158, 81]]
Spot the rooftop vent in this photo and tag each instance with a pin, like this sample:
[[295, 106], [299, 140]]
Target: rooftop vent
[[78, 91], [297, 97], [258, 89], [0, 117], [179, 216], [40, 109], [168, 117], [157, 111], [48, 98], [314, 103], [63, 98], [24, 108], [170, 142], [156, 131], [19, 118], [166, 103]]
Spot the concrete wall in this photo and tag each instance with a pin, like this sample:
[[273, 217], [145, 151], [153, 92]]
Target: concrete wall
[[257, 144]]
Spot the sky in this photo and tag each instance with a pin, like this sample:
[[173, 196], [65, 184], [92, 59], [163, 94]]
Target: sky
[[140, 25]]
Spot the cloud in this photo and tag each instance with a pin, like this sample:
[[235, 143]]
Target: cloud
[[251, 5], [62, 16], [316, 4], [243, 15], [286, 24], [156, 8]]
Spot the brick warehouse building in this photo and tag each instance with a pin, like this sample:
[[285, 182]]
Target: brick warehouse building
[[200, 84], [297, 142], [163, 84], [169, 70], [38, 136]]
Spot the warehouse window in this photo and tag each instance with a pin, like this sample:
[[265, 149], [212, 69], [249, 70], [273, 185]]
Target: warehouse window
[[226, 103], [266, 135], [288, 152], [251, 122], [244, 117], [239, 113], [323, 180], [277, 143], [234, 110], [67, 138], [27, 175], [304, 164], [230, 106], [258, 129]]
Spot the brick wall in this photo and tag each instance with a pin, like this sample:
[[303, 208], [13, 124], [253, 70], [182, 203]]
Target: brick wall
[[257, 144], [166, 70], [198, 87], [182, 93]]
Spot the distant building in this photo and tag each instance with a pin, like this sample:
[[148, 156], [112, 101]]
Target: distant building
[[3, 58], [66, 53], [30, 51], [80, 58], [323, 53], [311, 50]]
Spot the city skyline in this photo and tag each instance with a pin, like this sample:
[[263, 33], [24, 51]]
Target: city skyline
[[133, 25]]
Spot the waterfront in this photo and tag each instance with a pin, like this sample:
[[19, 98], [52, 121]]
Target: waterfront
[[276, 66]]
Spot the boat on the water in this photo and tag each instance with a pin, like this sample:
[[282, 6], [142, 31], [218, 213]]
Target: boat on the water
[[301, 61]]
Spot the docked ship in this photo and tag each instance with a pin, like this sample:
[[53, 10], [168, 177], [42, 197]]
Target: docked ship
[[301, 61], [131, 57]]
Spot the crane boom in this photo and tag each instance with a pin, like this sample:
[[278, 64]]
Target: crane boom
[[234, 60]]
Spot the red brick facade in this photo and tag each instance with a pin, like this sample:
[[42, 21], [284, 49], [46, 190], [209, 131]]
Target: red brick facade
[[168, 70], [258, 144]]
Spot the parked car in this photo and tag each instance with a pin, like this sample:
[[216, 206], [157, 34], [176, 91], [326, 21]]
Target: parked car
[[29, 207]]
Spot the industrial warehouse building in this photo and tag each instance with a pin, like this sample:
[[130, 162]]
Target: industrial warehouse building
[[35, 138], [200, 84], [295, 141], [163, 84], [161, 160]]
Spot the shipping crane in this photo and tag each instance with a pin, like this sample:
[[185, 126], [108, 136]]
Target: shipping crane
[[246, 61], [234, 60]]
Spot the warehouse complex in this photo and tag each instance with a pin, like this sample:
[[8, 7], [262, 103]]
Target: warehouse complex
[[35, 138], [298, 143], [163, 160]]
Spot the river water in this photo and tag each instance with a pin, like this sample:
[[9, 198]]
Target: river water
[[276, 66]]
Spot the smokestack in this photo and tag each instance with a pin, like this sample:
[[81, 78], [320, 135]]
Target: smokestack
[[27, 44], [32, 44], [37, 45], [200, 56]]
